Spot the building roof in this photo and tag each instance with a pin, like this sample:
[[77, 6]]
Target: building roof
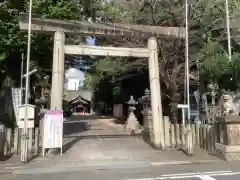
[[71, 95], [79, 100]]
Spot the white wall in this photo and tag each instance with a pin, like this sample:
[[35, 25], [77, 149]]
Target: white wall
[[73, 84], [73, 79]]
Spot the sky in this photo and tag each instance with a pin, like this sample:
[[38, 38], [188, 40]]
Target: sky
[[80, 74], [91, 40]]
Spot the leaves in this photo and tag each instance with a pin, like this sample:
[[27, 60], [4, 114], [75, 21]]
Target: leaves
[[13, 42], [9, 32], [61, 9], [216, 67], [207, 40]]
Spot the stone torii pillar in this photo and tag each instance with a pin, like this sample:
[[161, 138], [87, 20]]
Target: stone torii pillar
[[156, 102], [58, 70]]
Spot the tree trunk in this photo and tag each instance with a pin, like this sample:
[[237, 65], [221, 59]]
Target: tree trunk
[[174, 112], [174, 102]]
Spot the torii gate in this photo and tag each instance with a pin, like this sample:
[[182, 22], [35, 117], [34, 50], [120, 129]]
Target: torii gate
[[59, 28]]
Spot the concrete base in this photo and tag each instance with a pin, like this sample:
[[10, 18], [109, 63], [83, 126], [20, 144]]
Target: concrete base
[[228, 153], [149, 139], [188, 147], [158, 147], [148, 135]]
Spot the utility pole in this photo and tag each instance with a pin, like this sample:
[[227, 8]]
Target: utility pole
[[21, 83], [228, 30], [24, 137], [186, 58]]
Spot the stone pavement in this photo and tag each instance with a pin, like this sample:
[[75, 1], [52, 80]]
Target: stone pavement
[[91, 141]]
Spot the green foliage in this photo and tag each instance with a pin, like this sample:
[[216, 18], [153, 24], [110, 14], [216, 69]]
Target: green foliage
[[214, 61], [116, 91], [207, 33], [216, 67], [222, 71], [61, 9], [210, 42], [207, 42], [91, 81], [13, 43], [11, 40]]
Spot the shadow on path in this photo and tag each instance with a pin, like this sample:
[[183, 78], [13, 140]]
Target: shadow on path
[[74, 125], [74, 128], [103, 136], [86, 117]]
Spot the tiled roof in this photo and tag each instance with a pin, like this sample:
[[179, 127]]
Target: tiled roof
[[73, 94]]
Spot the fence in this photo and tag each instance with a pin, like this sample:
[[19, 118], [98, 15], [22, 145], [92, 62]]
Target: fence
[[10, 141], [184, 136], [177, 135]]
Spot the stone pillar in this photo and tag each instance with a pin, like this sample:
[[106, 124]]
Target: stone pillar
[[147, 124], [58, 70], [155, 94]]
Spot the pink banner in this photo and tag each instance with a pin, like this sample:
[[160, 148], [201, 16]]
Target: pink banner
[[55, 112]]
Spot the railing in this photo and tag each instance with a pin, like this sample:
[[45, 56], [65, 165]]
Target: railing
[[10, 141], [184, 136], [177, 135]]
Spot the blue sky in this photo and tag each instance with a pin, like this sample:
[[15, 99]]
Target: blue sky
[[90, 41]]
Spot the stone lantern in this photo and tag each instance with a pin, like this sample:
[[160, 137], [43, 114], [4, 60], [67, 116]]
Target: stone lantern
[[146, 101], [147, 114], [132, 123], [132, 103]]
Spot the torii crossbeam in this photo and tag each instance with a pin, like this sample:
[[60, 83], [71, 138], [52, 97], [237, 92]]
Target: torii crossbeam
[[101, 29]]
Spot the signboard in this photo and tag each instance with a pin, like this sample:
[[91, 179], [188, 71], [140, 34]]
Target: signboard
[[30, 115], [183, 107], [53, 130], [16, 98]]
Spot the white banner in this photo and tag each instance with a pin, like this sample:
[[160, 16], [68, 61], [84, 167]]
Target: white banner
[[16, 98]]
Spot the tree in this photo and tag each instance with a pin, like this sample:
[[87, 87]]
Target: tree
[[207, 42], [13, 43]]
